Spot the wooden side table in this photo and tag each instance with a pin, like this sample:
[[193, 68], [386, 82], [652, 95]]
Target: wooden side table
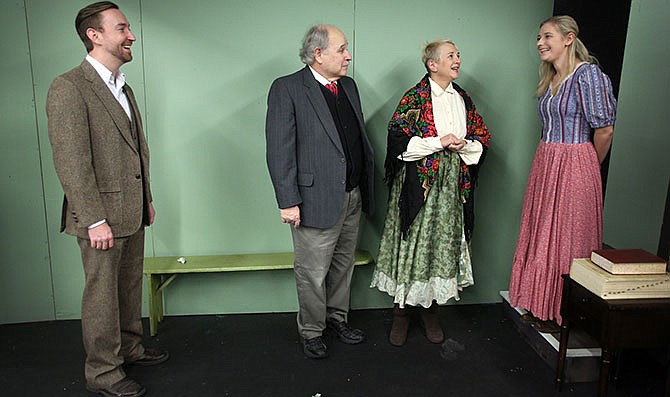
[[615, 324]]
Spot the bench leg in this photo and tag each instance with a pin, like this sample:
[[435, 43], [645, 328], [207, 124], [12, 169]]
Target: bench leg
[[159, 299], [155, 303]]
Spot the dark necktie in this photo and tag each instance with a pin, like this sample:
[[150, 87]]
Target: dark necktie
[[332, 86]]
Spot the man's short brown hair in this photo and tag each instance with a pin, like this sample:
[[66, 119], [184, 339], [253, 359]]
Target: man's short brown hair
[[89, 17]]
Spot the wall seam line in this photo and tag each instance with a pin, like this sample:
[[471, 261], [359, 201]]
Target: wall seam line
[[39, 151], [146, 120]]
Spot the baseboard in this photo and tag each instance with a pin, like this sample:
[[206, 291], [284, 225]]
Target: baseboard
[[582, 362]]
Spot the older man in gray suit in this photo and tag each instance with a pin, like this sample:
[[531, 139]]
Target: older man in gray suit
[[321, 165], [102, 161]]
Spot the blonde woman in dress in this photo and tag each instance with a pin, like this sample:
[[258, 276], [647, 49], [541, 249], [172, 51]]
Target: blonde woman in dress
[[562, 210]]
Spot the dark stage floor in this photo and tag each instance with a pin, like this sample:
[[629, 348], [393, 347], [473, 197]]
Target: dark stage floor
[[260, 355]]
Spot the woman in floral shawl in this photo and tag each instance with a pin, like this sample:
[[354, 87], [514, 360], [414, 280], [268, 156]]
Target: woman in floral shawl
[[436, 141]]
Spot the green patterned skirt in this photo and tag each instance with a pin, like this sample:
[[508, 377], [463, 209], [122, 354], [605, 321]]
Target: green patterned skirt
[[433, 263]]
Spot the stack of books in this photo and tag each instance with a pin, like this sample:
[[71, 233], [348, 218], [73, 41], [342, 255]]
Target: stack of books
[[622, 274]]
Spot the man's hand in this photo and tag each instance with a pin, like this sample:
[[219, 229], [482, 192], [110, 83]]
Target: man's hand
[[291, 216], [101, 237], [152, 214]]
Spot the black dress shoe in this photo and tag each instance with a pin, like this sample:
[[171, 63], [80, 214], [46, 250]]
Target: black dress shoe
[[126, 387], [314, 347], [150, 357], [345, 333]]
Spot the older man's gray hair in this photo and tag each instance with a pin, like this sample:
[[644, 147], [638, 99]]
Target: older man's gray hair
[[316, 37]]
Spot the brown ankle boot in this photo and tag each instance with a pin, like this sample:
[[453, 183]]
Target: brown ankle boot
[[400, 326], [431, 322]]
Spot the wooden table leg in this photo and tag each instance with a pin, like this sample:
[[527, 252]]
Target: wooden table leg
[[159, 299], [562, 351], [605, 362]]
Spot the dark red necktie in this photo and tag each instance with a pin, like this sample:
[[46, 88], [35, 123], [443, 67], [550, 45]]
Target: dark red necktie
[[332, 86]]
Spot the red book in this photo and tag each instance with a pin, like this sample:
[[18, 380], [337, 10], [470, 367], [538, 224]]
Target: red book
[[628, 261]]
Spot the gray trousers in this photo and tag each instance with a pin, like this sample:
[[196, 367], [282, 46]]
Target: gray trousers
[[324, 264], [111, 308]]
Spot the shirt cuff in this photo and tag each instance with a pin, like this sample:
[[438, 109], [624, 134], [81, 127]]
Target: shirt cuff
[[96, 224], [418, 148], [471, 153]]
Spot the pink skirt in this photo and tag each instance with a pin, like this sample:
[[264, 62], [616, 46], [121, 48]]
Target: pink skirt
[[561, 220]]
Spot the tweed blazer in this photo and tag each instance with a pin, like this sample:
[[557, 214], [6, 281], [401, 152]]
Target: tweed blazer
[[103, 169], [304, 152]]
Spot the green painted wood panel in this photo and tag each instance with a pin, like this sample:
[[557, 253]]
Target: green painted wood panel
[[55, 49], [499, 70], [202, 71], [230, 263], [207, 84], [25, 277], [640, 166], [206, 125]]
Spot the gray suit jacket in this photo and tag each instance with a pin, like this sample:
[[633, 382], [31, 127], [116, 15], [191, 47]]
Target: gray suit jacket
[[304, 153], [104, 171]]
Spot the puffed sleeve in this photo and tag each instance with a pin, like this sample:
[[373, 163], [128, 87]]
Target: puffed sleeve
[[597, 96]]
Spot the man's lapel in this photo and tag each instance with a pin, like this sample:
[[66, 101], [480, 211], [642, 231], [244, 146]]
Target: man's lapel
[[111, 104], [315, 96], [354, 100], [134, 110]]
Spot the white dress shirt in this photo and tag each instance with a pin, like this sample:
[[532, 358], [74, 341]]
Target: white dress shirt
[[322, 80], [449, 116], [114, 83]]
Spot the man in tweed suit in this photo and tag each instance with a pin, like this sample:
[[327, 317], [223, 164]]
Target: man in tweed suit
[[321, 166], [102, 160]]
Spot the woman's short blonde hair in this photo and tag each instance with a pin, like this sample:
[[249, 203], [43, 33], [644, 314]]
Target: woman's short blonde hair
[[431, 51]]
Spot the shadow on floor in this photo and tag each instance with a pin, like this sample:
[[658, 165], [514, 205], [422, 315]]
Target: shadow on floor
[[257, 355]]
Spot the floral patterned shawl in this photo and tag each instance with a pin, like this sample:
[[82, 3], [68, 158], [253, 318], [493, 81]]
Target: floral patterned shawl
[[414, 117]]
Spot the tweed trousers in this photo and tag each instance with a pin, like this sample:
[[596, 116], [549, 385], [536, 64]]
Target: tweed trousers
[[111, 308], [324, 265]]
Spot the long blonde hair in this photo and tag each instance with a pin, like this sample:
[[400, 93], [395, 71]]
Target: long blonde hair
[[577, 52]]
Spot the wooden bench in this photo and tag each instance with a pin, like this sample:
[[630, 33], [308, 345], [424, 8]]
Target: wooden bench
[[161, 271]]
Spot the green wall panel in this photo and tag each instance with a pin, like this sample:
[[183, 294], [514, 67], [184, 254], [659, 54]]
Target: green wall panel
[[201, 73], [499, 70], [25, 276], [206, 91], [640, 167], [55, 49], [207, 85]]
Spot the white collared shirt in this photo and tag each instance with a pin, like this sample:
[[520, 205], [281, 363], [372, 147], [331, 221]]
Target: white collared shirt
[[449, 116], [322, 80], [115, 84]]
